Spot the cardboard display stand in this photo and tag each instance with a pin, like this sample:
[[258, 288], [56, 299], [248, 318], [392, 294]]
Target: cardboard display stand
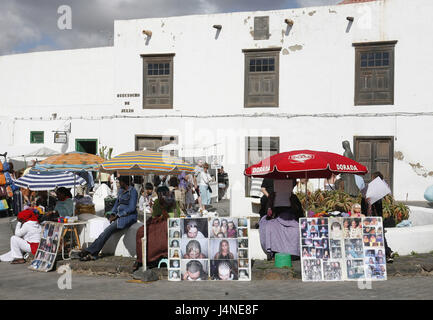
[[342, 249], [47, 251], [209, 249]]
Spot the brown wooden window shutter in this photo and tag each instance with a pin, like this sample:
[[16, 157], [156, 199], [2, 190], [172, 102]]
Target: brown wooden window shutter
[[374, 73], [158, 81], [261, 78]]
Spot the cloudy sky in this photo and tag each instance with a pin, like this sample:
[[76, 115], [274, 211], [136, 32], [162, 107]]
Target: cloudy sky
[[31, 25]]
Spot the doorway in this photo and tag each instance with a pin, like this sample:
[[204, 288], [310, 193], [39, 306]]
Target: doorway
[[86, 145], [377, 154]]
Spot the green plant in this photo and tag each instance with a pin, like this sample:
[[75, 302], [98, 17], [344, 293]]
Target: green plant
[[413, 253], [327, 201], [104, 153]]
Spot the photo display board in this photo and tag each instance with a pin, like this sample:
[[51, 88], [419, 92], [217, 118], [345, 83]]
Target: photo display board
[[340, 249], [209, 249], [47, 251]]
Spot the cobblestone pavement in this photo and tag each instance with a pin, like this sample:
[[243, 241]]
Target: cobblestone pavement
[[17, 282]]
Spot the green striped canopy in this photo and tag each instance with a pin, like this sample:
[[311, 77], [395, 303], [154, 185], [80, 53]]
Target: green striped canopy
[[146, 162]]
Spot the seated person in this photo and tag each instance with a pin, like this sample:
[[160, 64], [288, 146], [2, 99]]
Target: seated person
[[64, 205], [26, 239], [280, 234], [166, 202], [124, 214], [163, 208], [356, 211], [145, 202], [46, 201]]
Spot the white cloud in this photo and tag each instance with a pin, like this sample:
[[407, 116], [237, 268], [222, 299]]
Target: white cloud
[[28, 25], [316, 3]]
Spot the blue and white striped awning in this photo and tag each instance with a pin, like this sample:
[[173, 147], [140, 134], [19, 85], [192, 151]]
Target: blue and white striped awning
[[43, 180]]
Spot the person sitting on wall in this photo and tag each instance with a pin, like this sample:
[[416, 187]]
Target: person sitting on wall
[[26, 239], [156, 228], [124, 214]]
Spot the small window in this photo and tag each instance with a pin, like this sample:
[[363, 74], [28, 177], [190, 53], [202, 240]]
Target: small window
[[261, 78], [158, 81], [374, 73], [257, 149], [36, 137], [261, 28]]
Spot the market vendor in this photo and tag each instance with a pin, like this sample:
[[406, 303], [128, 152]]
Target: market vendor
[[124, 214], [64, 205], [45, 200], [26, 239], [376, 210], [279, 232], [163, 208]]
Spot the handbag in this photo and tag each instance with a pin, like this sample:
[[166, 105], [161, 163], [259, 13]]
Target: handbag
[[3, 205], [3, 192]]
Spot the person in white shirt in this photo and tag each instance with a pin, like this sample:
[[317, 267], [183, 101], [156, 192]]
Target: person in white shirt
[[300, 186], [203, 182], [26, 239], [145, 202], [197, 170]]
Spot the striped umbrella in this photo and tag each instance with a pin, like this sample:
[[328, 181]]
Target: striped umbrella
[[71, 161], [146, 162], [41, 181]]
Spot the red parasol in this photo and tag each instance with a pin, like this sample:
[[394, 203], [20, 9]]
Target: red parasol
[[304, 164]]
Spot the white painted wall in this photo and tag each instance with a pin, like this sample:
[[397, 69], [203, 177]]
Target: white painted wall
[[209, 83]]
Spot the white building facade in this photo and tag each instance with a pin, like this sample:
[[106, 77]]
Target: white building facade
[[242, 85]]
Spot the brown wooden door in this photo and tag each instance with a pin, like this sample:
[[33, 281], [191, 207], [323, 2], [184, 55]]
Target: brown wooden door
[[377, 154]]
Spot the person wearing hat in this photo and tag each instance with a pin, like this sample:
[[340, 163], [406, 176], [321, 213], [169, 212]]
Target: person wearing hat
[[124, 214], [26, 239]]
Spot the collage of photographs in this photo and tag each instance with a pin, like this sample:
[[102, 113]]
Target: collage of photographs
[[47, 250], [208, 249], [338, 249]]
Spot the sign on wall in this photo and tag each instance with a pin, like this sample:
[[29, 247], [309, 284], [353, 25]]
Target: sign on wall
[[47, 251], [338, 249], [209, 249], [60, 137]]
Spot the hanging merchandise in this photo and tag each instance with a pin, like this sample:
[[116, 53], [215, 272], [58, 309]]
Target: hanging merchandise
[[3, 205]]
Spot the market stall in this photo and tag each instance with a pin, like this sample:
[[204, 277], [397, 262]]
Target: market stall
[[142, 163]]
